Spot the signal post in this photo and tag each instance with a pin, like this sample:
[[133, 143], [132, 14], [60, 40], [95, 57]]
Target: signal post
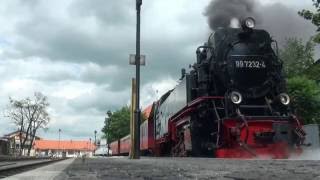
[[133, 137]]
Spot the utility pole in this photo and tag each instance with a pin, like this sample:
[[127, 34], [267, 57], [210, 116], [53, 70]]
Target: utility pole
[[137, 108]]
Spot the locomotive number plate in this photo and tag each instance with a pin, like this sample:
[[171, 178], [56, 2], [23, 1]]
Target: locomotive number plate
[[250, 64]]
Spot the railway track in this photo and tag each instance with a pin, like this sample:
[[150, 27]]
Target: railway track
[[9, 168]]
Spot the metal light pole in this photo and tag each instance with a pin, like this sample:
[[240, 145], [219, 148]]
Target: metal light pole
[[95, 137], [137, 108], [59, 144], [109, 113], [95, 140], [89, 146]]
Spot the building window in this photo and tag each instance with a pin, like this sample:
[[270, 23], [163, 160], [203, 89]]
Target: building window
[[70, 152]]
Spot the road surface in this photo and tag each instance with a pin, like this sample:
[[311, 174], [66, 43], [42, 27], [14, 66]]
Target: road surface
[[175, 168]]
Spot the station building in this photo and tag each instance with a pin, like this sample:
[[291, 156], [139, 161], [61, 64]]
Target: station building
[[4, 146], [63, 148], [11, 143]]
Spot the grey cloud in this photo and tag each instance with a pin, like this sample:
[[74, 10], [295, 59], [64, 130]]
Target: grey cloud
[[113, 40], [117, 77], [82, 130], [109, 44], [111, 13], [49, 39], [30, 3], [283, 22], [166, 55], [101, 100]]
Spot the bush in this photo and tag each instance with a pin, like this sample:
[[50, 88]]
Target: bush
[[305, 95]]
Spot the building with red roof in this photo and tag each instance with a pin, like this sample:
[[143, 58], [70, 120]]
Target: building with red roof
[[63, 148]]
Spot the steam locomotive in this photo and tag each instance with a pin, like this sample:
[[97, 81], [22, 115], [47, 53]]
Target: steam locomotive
[[232, 104]]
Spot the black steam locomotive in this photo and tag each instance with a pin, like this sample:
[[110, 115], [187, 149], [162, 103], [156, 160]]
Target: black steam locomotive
[[233, 103]]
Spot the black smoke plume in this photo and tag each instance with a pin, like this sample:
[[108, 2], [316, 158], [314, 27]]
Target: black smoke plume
[[221, 12], [279, 20]]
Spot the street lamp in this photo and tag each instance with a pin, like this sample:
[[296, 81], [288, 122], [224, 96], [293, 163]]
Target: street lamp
[[109, 114], [95, 140], [95, 137], [59, 143], [90, 146]]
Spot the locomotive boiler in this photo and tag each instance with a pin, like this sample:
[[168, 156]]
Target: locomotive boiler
[[233, 103]]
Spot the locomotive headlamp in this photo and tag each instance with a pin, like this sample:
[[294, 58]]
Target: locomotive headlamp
[[284, 99], [236, 97], [249, 23]]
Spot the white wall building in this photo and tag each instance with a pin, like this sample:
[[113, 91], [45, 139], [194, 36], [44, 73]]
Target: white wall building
[[63, 148]]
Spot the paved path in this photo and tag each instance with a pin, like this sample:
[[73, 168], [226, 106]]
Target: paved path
[[11, 164], [176, 168], [48, 172]]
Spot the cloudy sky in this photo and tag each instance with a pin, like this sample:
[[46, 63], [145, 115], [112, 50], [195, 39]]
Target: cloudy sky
[[76, 52]]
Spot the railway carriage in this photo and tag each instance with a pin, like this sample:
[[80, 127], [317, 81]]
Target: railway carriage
[[115, 147]]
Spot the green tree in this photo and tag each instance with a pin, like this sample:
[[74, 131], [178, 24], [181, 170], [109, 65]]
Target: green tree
[[29, 115], [302, 73], [117, 124], [305, 95], [314, 17], [297, 57], [314, 72]]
